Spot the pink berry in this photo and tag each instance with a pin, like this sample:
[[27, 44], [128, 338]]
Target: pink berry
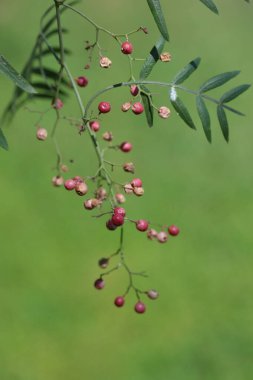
[[57, 181], [136, 182], [77, 178], [119, 301], [137, 108], [99, 284], [119, 211], [152, 294], [70, 184], [134, 90], [125, 106], [82, 81], [162, 237], [81, 188], [57, 104], [141, 225], [41, 134], [94, 125], [126, 47], [140, 307], [104, 107], [128, 188], [139, 191], [110, 226], [103, 262], [107, 136], [151, 234], [173, 230], [117, 219], [129, 167], [120, 198], [126, 147]]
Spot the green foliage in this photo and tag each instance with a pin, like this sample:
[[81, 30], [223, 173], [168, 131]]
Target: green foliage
[[3, 141], [186, 71], [210, 4], [147, 102], [156, 10], [152, 58]]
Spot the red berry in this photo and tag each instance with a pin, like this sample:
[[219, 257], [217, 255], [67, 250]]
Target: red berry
[[126, 47], [119, 301], [99, 283], [110, 226], [94, 125], [137, 108], [140, 307], [119, 211], [117, 219], [126, 147], [141, 225], [70, 184], [82, 81], [103, 262], [134, 90], [104, 107], [173, 230], [136, 182], [152, 294]]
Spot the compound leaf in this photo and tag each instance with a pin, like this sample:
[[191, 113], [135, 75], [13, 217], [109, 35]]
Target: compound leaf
[[234, 93], [218, 80]]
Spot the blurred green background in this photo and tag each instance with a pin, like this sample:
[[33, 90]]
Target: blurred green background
[[53, 324]]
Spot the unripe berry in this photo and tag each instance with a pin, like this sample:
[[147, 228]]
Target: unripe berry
[[119, 211], [164, 112], [136, 182], [126, 47], [70, 184], [117, 219], [139, 191], [104, 107], [90, 204], [137, 108], [120, 198], [105, 62], [57, 181], [94, 125], [152, 294], [140, 307], [151, 234], [107, 136], [162, 237], [173, 230], [129, 167], [126, 106], [141, 225], [82, 81], [41, 134], [57, 104], [134, 90], [103, 262], [128, 188], [119, 301], [110, 226], [99, 284], [81, 188], [126, 147], [101, 194]]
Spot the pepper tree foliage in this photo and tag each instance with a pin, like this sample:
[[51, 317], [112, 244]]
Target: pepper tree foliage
[[54, 83]]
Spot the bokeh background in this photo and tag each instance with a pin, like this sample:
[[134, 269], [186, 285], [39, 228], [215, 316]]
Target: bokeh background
[[53, 324]]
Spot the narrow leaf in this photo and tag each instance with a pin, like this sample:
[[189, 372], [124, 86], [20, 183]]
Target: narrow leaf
[[147, 102], [152, 58], [204, 117], [223, 122], [186, 71], [3, 141], [55, 32], [56, 49], [210, 4], [218, 81], [234, 93], [182, 112], [156, 10], [12, 74]]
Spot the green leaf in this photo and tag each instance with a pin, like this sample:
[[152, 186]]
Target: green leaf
[[210, 4], [218, 81], [182, 112], [186, 71], [234, 93], [157, 13], [153, 57], [12, 74], [3, 141], [223, 122], [204, 117], [56, 49], [147, 102]]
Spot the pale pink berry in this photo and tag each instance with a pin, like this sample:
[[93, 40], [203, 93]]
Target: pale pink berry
[[139, 191], [136, 182], [41, 134], [70, 184], [94, 125], [126, 147], [141, 225], [107, 136], [99, 284], [151, 234], [162, 237], [81, 188], [165, 57], [120, 198], [125, 106], [101, 194], [64, 168], [104, 107], [117, 219], [137, 108], [164, 112], [57, 104], [173, 230], [119, 211], [105, 62], [103, 262], [140, 307], [152, 294], [128, 188], [90, 204], [129, 167], [134, 90], [110, 226], [57, 181], [119, 301], [126, 47], [82, 81]]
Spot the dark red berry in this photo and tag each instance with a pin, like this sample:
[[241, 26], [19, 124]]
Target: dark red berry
[[117, 219], [140, 307], [137, 108], [103, 262], [82, 81], [104, 107], [99, 284], [126, 47], [70, 184], [126, 147], [134, 90], [141, 225], [119, 301], [173, 230], [119, 211], [110, 226]]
